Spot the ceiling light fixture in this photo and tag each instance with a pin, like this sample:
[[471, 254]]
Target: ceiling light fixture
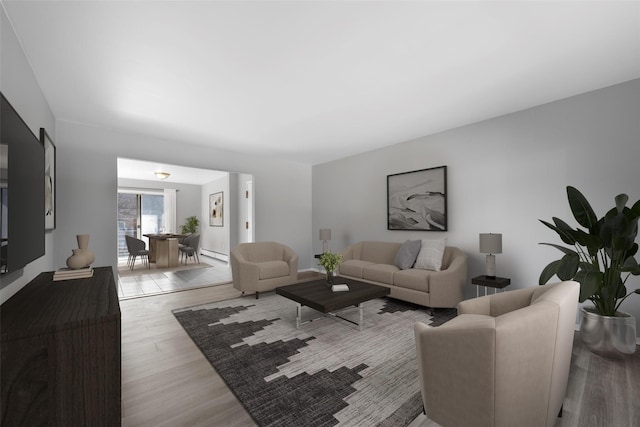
[[162, 175]]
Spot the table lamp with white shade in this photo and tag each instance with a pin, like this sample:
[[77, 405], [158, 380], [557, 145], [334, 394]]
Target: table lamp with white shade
[[491, 243]]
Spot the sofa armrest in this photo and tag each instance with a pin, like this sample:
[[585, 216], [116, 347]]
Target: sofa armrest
[[497, 304], [245, 273], [293, 267], [506, 302], [480, 305], [456, 363], [347, 253], [446, 287]]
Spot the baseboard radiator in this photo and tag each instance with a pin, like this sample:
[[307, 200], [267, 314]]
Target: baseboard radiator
[[214, 254]]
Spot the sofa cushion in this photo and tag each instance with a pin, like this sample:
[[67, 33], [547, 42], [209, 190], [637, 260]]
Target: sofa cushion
[[417, 280], [271, 269], [407, 254], [431, 254], [353, 267], [379, 252], [382, 273]]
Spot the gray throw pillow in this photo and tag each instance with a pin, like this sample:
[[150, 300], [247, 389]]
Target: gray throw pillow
[[407, 254]]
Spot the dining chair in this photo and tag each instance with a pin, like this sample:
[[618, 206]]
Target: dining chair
[[136, 248]]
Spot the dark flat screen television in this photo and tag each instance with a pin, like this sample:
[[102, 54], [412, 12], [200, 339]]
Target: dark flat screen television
[[22, 192]]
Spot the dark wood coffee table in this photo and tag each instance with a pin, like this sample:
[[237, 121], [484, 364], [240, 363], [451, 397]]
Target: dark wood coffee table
[[319, 296]]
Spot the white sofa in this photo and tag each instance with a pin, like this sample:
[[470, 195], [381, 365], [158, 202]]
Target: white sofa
[[504, 361], [263, 266], [374, 262]]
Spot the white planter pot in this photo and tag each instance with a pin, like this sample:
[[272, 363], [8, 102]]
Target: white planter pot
[[612, 336]]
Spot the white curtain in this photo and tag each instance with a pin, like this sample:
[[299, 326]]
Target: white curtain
[[170, 210]]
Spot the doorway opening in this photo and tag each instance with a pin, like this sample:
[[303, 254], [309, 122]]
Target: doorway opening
[[139, 214]]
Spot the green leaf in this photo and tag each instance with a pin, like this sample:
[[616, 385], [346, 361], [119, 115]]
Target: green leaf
[[590, 241], [590, 282], [564, 230], [548, 272], [634, 250], [630, 265], [568, 266], [637, 291], [581, 209], [561, 248], [635, 209]]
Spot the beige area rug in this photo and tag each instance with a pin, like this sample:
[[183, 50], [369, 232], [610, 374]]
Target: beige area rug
[[326, 373], [140, 268]]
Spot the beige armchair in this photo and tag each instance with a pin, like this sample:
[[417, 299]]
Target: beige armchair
[[263, 266], [504, 361]]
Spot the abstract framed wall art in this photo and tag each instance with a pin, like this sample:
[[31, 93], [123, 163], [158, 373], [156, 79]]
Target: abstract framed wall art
[[215, 209], [417, 200], [49, 180]]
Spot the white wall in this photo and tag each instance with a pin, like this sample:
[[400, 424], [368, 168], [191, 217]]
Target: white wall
[[20, 87], [503, 175], [87, 184]]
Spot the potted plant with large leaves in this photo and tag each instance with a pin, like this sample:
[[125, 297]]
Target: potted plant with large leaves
[[190, 225], [601, 258]]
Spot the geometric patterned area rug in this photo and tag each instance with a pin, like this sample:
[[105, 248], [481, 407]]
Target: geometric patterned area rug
[[326, 373]]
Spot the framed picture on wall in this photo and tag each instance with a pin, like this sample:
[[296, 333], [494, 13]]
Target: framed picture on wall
[[417, 200], [215, 209], [49, 180]]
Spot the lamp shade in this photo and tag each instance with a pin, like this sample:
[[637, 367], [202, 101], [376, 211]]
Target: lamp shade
[[325, 234], [490, 243]]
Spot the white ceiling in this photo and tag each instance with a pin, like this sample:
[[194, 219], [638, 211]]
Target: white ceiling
[[138, 169], [315, 81]]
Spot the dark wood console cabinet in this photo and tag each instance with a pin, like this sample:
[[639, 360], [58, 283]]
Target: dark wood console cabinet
[[61, 353]]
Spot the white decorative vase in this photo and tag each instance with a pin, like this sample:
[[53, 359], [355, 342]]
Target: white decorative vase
[[82, 257], [612, 336]]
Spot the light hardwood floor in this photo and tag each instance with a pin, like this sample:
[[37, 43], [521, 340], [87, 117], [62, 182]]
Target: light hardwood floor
[[166, 381]]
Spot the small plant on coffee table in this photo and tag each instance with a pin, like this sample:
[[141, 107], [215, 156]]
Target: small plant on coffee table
[[330, 262], [190, 225]]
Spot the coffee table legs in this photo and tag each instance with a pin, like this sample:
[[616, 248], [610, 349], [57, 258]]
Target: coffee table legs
[[299, 316], [360, 322]]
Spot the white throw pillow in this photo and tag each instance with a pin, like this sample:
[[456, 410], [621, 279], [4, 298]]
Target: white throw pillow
[[431, 254]]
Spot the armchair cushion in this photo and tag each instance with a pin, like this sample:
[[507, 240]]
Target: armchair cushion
[[271, 269]]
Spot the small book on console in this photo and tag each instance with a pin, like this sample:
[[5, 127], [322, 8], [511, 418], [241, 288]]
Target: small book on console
[[339, 288], [68, 274]]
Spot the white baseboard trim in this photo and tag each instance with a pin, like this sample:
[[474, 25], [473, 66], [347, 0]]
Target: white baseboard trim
[[213, 254]]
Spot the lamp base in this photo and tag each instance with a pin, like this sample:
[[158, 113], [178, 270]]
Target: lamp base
[[491, 267]]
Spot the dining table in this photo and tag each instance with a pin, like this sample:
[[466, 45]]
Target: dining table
[[163, 249]]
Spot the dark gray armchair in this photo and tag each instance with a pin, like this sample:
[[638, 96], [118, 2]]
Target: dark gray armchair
[[189, 248]]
